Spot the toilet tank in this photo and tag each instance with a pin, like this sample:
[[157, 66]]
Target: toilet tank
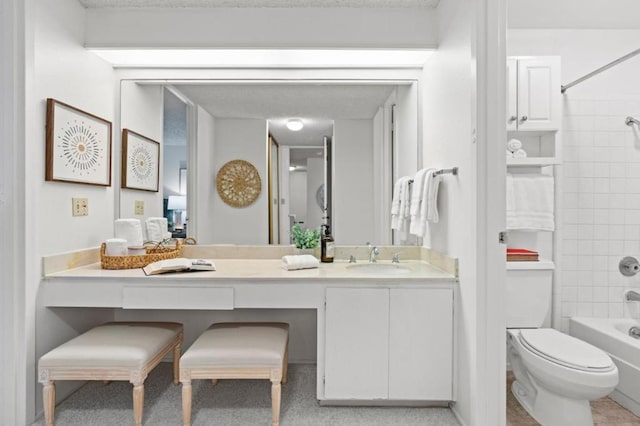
[[529, 293]]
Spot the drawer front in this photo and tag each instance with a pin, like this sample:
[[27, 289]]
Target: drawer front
[[177, 298]]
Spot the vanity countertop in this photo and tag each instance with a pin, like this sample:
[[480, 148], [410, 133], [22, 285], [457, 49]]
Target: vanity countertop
[[270, 269]]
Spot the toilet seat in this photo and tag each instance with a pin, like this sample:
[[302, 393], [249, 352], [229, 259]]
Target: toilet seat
[[565, 350]]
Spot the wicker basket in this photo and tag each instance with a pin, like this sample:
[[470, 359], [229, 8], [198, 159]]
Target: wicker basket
[[154, 254]]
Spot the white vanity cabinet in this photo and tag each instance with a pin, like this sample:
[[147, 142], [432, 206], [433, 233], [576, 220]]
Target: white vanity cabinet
[[533, 93], [389, 343]]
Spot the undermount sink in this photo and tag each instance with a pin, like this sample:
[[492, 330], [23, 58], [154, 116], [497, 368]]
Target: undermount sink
[[379, 268]]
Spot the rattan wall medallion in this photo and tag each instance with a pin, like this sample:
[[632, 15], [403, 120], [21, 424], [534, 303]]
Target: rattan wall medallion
[[238, 183]]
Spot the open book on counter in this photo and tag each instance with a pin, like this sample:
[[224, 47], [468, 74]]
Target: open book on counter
[[180, 264]]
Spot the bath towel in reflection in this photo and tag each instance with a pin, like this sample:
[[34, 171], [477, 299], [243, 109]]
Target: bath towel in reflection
[[400, 204], [302, 261], [530, 202], [156, 228]]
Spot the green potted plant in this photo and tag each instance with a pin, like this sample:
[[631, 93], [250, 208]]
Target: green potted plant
[[306, 239]]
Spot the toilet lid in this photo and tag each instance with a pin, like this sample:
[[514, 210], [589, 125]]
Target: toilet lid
[[565, 350]]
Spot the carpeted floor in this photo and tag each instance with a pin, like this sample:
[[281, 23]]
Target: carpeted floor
[[231, 403]]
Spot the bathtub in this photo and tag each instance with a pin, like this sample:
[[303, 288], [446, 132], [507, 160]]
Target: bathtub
[[611, 335]]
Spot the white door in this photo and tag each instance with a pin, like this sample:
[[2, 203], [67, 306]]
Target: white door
[[421, 344], [356, 343], [512, 94], [538, 93]]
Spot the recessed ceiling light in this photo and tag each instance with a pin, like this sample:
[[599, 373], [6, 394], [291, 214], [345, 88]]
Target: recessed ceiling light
[[292, 168], [295, 124]]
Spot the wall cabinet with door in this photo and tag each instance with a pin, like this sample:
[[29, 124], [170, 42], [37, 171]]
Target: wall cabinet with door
[[389, 344]]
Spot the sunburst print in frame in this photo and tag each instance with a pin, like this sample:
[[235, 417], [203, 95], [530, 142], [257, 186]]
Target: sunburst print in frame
[[140, 161], [78, 146]]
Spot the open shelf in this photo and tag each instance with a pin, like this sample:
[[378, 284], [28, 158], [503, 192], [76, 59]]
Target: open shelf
[[532, 161], [541, 264]]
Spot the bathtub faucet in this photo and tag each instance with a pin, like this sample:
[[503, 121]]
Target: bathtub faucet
[[632, 296]]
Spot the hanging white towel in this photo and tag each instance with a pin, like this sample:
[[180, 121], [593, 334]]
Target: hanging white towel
[[419, 198], [432, 198], [400, 205], [530, 202]]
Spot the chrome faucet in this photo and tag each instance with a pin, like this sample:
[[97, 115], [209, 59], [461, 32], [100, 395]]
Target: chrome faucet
[[396, 258], [373, 252], [632, 296]]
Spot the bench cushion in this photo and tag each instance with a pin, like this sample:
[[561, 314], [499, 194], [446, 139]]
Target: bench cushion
[[129, 345], [238, 345]]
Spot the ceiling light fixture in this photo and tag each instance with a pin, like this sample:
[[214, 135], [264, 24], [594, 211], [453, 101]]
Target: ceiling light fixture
[[295, 124]]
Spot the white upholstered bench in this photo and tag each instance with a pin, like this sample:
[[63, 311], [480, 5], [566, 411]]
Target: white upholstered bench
[[237, 351], [112, 351]]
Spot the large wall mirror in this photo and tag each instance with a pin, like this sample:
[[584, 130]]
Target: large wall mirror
[[354, 139]]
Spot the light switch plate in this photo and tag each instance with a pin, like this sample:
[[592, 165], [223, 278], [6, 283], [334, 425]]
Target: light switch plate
[[139, 207], [79, 207]]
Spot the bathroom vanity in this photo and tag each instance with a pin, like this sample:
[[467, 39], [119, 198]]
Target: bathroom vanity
[[385, 332]]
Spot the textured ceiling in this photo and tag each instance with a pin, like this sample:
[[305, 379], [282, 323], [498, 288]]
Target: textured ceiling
[[259, 3], [316, 104]]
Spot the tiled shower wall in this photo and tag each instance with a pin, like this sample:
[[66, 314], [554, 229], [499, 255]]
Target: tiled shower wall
[[600, 202]]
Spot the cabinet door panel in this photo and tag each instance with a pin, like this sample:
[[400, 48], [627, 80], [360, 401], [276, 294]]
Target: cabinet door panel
[[538, 94], [356, 343], [421, 344], [512, 94]]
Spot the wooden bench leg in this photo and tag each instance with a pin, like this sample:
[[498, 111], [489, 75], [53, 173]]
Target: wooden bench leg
[[214, 382], [186, 403], [49, 400], [275, 402], [285, 364], [176, 364], [138, 403]]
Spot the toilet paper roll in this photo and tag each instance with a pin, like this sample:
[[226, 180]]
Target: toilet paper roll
[[116, 247], [513, 145], [130, 230]]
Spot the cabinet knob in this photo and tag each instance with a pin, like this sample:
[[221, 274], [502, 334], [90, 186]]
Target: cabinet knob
[[513, 118], [524, 118]]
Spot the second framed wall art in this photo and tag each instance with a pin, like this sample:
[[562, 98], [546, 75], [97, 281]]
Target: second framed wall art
[[140, 162]]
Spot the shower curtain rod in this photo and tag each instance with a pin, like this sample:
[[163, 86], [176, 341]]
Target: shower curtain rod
[[599, 70]]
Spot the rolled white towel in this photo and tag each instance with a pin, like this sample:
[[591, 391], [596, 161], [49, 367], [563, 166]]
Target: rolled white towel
[[156, 228], [130, 230], [521, 153], [116, 247], [303, 261], [513, 145], [509, 154]]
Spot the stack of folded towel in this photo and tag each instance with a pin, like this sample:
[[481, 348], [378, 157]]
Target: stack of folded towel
[[303, 261], [514, 149]]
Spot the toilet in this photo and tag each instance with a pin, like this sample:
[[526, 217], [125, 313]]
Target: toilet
[[556, 375]]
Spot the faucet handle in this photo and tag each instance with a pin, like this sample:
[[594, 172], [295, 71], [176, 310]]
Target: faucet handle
[[352, 259], [396, 258]]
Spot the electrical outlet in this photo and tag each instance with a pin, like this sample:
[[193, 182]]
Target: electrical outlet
[[139, 207], [79, 207]]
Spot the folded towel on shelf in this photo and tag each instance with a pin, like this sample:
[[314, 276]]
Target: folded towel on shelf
[[400, 204], [156, 228], [302, 261], [530, 202], [520, 153], [513, 145], [130, 230]]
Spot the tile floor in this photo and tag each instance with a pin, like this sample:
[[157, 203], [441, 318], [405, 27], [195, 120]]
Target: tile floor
[[606, 412]]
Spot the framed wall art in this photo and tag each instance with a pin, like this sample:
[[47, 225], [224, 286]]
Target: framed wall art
[[78, 146], [140, 162]]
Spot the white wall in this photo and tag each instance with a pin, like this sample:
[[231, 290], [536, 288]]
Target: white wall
[[63, 70], [315, 178], [298, 194], [174, 159], [263, 27], [141, 110], [353, 183], [447, 94], [240, 139], [205, 178], [600, 199]]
